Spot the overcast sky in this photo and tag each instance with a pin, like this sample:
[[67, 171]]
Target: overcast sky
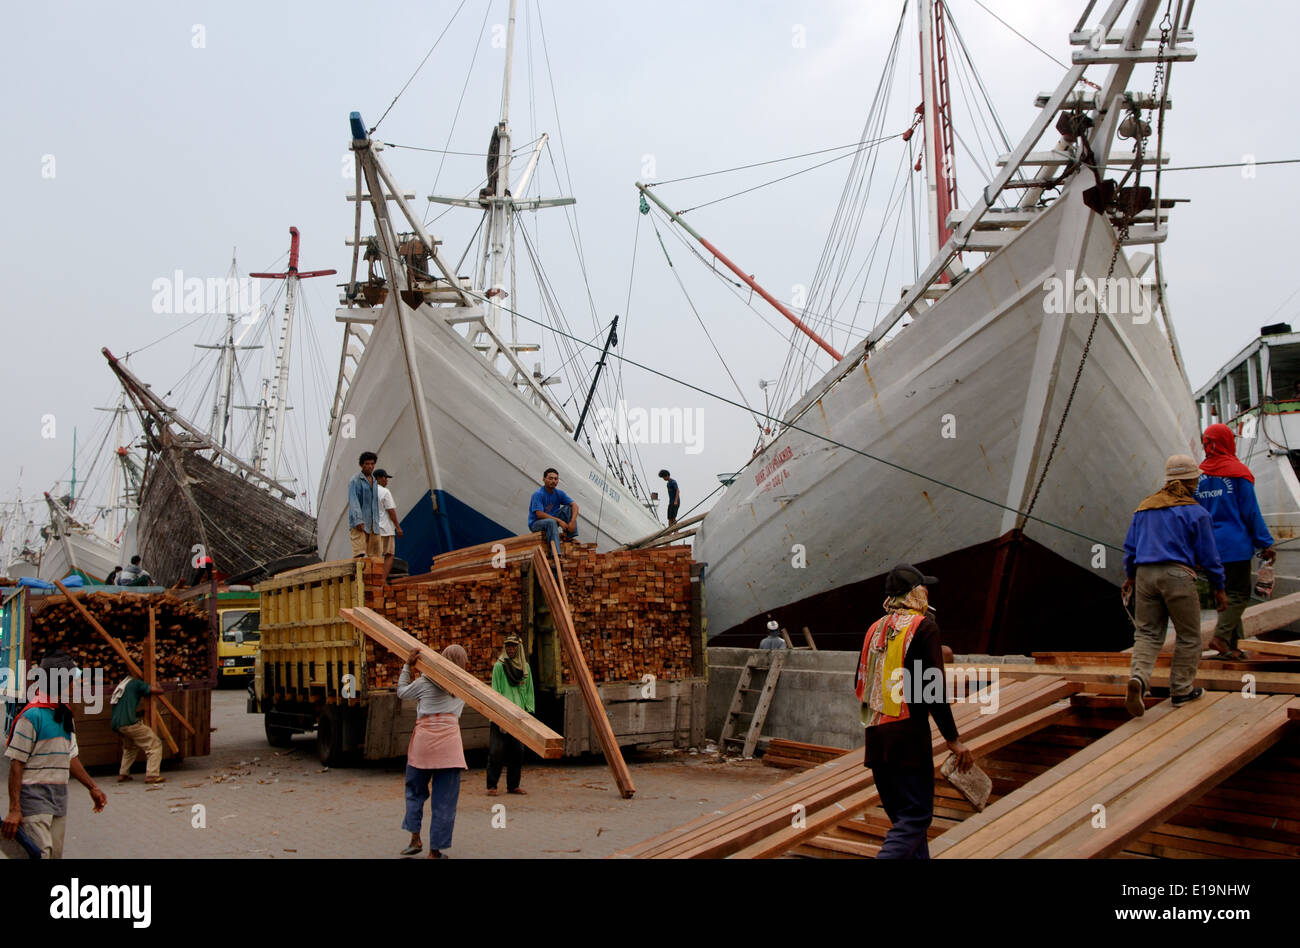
[[147, 138]]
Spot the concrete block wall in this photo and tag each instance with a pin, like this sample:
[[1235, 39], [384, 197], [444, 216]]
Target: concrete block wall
[[813, 702]]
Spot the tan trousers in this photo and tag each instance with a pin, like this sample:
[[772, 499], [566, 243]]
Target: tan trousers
[[45, 830], [1165, 591], [138, 738]]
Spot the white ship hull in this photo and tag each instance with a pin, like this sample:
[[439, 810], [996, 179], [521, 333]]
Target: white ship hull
[[989, 367], [91, 554], [489, 443]]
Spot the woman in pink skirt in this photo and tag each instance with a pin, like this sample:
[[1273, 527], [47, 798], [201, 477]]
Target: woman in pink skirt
[[434, 757]]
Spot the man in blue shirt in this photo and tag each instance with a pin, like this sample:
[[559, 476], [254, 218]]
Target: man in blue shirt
[[674, 497], [363, 509], [1170, 537], [1227, 491], [552, 512]]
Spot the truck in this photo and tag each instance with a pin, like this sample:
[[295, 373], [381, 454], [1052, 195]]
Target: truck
[[316, 673]]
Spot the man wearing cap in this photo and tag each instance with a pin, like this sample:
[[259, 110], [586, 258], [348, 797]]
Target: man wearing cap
[[1171, 536], [388, 525], [42, 752], [510, 677], [900, 685], [773, 638]]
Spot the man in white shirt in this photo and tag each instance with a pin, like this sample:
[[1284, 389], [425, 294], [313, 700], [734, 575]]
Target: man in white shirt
[[388, 525]]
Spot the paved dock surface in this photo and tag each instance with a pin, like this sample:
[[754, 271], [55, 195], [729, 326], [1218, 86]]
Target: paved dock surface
[[260, 802]]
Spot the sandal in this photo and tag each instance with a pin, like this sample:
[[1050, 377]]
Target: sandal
[[437, 854], [519, 790], [411, 850]]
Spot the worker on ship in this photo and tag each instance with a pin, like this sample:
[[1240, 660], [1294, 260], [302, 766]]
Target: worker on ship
[[1227, 491], [1170, 537], [900, 685]]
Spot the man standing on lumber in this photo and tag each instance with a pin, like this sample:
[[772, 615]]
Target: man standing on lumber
[[674, 497], [1171, 536], [510, 677], [389, 528], [42, 752], [134, 574], [552, 512], [900, 684], [435, 755], [363, 509], [137, 737], [1227, 491]]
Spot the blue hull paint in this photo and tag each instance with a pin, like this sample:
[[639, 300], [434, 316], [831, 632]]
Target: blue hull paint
[[427, 533]]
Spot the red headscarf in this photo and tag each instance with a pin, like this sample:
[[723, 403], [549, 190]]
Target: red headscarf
[[1221, 454]]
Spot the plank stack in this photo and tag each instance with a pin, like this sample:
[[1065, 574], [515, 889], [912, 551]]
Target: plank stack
[[183, 633], [632, 609]]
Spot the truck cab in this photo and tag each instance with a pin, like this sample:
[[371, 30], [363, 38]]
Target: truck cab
[[240, 637]]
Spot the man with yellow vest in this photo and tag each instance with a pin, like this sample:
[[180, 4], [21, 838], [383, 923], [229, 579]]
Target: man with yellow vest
[[900, 684]]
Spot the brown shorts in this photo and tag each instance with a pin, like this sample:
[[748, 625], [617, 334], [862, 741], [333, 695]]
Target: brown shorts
[[365, 544], [388, 545]]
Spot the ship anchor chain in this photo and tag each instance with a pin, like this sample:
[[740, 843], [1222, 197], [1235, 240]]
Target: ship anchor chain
[[1121, 206]]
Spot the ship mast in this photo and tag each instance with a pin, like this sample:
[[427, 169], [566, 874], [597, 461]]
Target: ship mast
[[938, 154], [219, 424], [271, 427]]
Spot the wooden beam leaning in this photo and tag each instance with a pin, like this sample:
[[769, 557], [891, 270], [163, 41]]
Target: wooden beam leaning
[[564, 626], [151, 679], [122, 653], [503, 712]]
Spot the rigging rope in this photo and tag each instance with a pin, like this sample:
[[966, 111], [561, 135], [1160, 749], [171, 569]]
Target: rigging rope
[[421, 66]]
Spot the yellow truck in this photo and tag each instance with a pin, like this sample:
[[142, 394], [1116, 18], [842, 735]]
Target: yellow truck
[[240, 619]]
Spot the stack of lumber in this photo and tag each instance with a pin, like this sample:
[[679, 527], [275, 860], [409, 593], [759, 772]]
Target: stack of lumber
[[795, 755], [1253, 813], [800, 808], [476, 614], [183, 634], [632, 610]]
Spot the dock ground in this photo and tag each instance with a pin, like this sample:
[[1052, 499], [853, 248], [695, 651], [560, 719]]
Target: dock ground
[[260, 802]]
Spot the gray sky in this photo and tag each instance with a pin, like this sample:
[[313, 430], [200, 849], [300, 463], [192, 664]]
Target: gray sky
[[146, 138]]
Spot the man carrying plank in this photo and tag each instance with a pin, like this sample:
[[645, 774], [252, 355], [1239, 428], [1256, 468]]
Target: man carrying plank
[[511, 678], [137, 737], [435, 755]]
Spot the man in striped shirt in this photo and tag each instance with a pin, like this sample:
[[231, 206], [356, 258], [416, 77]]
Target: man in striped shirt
[[42, 752]]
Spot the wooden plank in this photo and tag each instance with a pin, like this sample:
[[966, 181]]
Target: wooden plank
[[1265, 682], [121, 652], [838, 778], [1180, 784], [151, 679], [447, 675], [1026, 810], [1290, 649], [563, 620]]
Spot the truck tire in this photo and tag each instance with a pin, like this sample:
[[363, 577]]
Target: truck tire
[[277, 736], [329, 738]]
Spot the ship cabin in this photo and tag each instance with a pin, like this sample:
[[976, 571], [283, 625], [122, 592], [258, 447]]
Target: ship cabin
[[1257, 392]]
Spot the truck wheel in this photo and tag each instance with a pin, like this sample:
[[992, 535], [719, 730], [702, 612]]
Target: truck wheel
[[277, 736], [329, 738]]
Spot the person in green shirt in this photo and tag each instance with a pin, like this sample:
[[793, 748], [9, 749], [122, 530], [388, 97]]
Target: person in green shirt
[[137, 737], [510, 677]]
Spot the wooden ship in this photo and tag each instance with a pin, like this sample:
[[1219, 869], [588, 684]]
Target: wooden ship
[[198, 499]]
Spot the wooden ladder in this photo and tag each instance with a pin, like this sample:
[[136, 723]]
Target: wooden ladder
[[770, 663]]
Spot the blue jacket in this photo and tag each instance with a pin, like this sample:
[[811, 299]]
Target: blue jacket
[[1182, 534], [1239, 528], [363, 504]]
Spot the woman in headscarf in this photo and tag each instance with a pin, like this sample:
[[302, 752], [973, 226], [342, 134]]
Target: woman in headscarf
[[510, 677], [901, 661], [434, 757], [1227, 491]]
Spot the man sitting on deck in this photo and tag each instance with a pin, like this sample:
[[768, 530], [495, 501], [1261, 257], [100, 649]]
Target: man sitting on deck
[[552, 511]]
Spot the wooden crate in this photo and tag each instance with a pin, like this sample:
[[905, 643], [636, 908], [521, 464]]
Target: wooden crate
[[99, 746]]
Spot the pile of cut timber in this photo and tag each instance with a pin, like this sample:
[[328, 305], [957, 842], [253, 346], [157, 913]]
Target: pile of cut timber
[[474, 614], [183, 633], [632, 610], [795, 755]]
